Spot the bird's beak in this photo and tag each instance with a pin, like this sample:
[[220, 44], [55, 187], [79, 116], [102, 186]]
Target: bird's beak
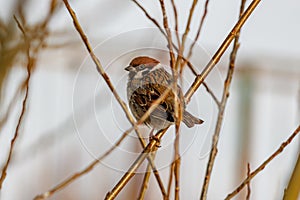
[[129, 68]]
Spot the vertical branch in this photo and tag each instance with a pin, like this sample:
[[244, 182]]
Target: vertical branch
[[248, 184], [177, 161], [198, 32], [169, 35], [174, 87], [176, 21], [170, 179], [146, 179], [184, 36], [215, 139]]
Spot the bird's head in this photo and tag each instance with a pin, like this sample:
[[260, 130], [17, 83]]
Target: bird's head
[[140, 66]]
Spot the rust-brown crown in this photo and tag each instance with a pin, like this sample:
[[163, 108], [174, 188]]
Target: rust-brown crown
[[143, 60]]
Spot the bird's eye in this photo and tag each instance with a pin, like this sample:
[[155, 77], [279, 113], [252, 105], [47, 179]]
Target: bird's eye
[[141, 67]]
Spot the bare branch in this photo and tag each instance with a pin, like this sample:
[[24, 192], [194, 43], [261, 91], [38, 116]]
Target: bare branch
[[176, 21], [248, 184], [77, 175], [169, 35], [30, 63], [146, 179], [264, 164], [199, 31]]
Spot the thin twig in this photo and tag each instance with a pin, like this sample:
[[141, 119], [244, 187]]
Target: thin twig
[[248, 184], [215, 139], [264, 164], [170, 179], [176, 21], [75, 176], [212, 94], [149, 17], [177, 162], [198, 31], [178, 115], [169, 35], [30, 63], [185, 34]]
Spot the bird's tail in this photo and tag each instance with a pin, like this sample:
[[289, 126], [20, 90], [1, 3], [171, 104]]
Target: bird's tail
[[190, 120]]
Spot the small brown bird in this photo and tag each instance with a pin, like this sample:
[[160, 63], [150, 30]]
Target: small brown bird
[[147, 81]]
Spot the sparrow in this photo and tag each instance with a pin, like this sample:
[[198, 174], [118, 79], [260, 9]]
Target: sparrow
[[147, 81]]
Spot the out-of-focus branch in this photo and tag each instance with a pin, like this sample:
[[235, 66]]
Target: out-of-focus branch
[[293, 189], [32, 47], [264, 164], [77, 175], [30, 63], [225, 95]]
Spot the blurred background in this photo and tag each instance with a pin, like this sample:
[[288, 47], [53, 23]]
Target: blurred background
[[71, 116]]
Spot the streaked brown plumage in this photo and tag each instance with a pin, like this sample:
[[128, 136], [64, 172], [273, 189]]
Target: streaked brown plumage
[[147, 80]]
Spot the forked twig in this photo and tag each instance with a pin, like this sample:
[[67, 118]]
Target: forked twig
[[221, 110], [151, 147], [264, 164]]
